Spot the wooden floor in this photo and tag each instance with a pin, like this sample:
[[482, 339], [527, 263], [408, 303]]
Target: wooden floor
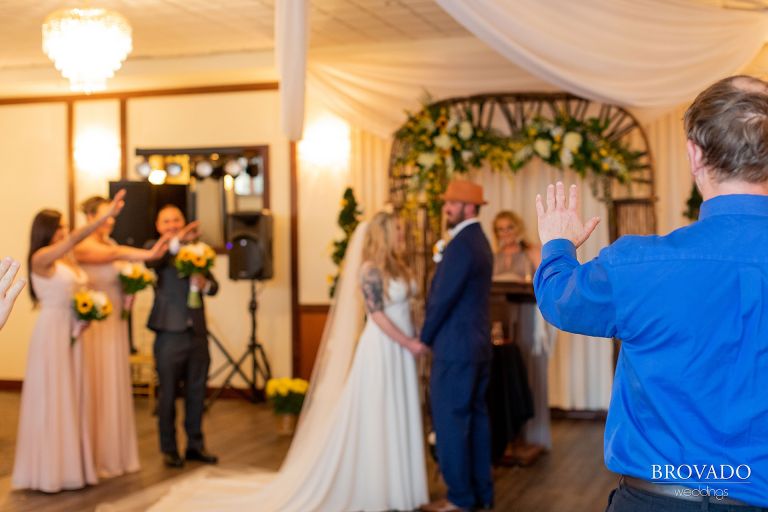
[[570, 478]]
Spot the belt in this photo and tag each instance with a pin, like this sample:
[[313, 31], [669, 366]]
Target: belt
[[678, 492]]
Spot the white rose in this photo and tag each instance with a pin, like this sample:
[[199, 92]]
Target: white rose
[[466, 155], [427, 160], [543, 148], [556, 131], [566, 157], [437, 251], [99, 299], [127, 270], [442, 141], [465, 130], [522, 154], [572, 141]]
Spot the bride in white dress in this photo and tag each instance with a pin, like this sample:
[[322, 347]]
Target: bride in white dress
[[359, 443]]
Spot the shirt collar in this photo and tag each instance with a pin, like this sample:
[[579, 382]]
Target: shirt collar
[[735, 204], [455, 230]]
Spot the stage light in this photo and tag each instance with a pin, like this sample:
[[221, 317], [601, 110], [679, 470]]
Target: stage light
[[173, 169], [232, 167], [157, 177], [203, 169], [143, 168], [254, 166]]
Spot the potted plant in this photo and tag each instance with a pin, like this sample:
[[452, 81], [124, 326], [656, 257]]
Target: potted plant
[[287, 396]]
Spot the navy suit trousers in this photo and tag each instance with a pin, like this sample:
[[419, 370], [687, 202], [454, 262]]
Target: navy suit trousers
[[460, 419]]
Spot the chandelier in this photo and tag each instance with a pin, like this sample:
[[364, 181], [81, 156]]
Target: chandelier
[[87, 45]]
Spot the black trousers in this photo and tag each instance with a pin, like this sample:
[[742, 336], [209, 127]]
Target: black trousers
[[181, 357], [628, 499]]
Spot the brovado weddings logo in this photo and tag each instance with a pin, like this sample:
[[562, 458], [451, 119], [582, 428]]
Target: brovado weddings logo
[[697, 478]]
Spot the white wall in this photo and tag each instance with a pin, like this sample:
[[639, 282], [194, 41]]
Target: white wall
[[33, 149]]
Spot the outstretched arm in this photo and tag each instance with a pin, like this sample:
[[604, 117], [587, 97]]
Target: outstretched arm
[[89, 251], [573, 297], [46, 256], [373, 292]]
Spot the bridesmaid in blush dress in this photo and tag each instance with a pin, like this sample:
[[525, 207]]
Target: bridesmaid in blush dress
[[106, 370], [53, 448]]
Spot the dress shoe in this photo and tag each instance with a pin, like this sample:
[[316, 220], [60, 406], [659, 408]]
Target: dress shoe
[[172, 460], [202, 456], [442, 505]]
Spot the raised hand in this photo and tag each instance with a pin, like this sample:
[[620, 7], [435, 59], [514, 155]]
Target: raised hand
[[560, 220], [189, 232], [117, 203], [9, 290], [160, 247]]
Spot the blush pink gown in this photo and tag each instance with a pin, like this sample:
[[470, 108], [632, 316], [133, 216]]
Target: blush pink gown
[[106, 372], [53, 446]]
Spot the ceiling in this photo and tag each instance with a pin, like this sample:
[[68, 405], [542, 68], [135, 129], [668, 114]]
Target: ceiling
[[169, 28]]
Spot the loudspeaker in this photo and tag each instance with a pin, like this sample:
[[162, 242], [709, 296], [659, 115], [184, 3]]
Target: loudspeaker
[[250, 245], [136, 223]]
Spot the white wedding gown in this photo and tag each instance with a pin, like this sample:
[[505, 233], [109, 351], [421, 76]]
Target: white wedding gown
[[365, 453]]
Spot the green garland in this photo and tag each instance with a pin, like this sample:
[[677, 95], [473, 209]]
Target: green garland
[[439, 142], [349, 218]]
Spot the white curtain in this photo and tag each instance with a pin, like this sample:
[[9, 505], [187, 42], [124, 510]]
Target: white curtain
[[673, 180], [291, 42], [369, 166], [372, 86], [641, 53]]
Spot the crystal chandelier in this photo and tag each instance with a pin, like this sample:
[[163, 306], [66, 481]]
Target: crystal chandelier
[[87, 45]]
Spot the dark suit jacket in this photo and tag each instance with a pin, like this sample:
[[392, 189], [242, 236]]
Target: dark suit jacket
[[457, 323], [170, 311]]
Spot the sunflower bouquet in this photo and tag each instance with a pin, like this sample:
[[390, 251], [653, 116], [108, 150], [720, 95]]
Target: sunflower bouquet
[[89, 305], [134, 277], [286, 394], [194, 258]]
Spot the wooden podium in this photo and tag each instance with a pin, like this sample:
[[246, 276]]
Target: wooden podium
[[510, 407]]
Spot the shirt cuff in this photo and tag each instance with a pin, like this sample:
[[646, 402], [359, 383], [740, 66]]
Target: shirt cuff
[[174, 245], [558, 246]]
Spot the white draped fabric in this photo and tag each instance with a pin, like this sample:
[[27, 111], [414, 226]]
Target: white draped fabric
[[291, 42], [641, 53], [372, 86]]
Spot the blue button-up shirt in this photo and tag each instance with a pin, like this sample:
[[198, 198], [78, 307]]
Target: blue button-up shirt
[[690, 394]]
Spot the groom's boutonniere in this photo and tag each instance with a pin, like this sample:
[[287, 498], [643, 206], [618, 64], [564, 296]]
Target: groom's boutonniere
[[437, 250]]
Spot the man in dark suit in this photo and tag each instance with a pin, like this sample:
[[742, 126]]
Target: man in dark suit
[[181, 345], [457, 330]]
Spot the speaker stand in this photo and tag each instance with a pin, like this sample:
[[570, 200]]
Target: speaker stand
[[258, 362]]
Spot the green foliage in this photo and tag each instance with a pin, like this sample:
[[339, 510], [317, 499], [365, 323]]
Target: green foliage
[[349, 218]]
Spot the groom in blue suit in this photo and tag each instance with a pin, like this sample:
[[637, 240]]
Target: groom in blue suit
[[457, 329]]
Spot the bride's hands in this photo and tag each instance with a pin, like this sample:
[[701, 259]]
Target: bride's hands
[[416, 347]]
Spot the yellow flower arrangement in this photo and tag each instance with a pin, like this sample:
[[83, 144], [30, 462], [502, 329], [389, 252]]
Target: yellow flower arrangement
[[90, 305], [134, 277], [197, 258], [286, 394]]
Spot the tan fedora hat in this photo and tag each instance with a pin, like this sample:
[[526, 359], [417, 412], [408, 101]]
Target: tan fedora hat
[[464, 191]]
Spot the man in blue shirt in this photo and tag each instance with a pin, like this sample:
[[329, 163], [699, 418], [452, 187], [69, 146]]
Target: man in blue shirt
[[687, 426]]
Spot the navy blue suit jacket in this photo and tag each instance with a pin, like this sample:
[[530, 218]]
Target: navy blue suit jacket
[[457, 323]]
